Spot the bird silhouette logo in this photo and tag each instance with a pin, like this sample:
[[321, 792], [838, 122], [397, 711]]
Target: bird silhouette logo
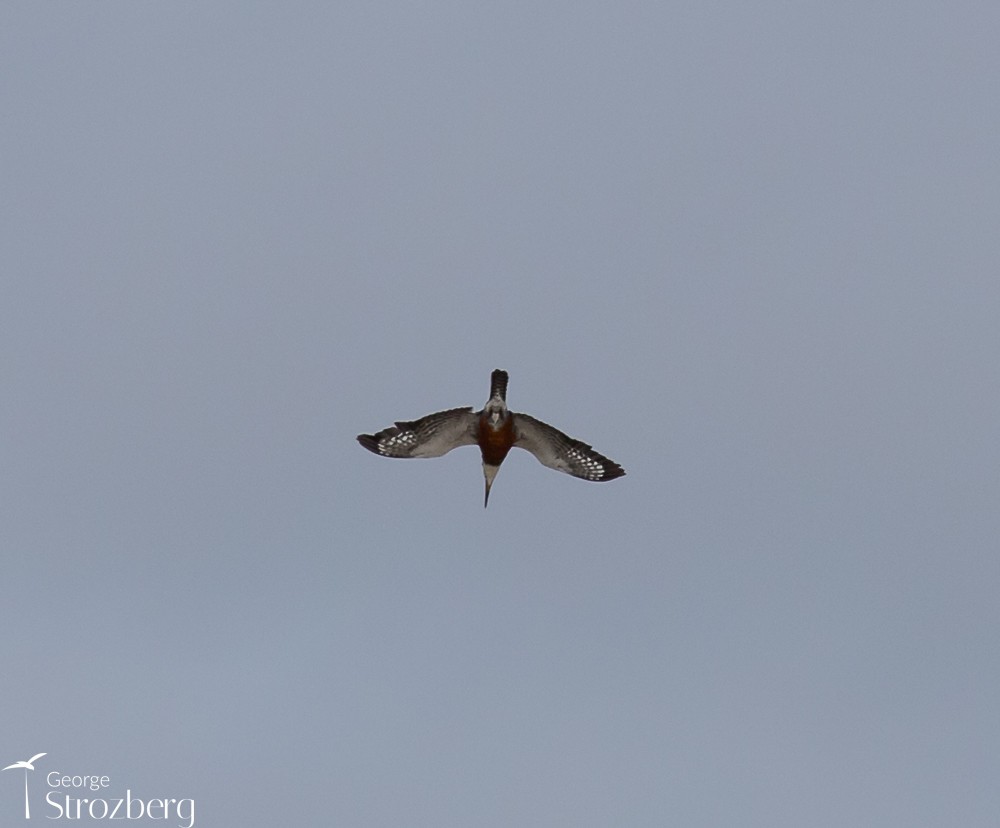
[[27, 765]]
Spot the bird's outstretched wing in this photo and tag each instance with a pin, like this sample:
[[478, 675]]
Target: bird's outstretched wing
[[31, 761], [430, 436], [558, 451]]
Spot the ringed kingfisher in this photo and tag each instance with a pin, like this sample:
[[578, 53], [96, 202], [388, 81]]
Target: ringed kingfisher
[[495, 430]]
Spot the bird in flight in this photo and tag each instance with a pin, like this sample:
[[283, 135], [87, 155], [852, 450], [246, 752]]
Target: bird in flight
[[26, 764], [495, 430]]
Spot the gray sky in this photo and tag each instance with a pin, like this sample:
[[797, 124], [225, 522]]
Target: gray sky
[[749, 251]]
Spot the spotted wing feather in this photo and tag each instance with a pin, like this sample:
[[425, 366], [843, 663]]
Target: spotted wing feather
[[558, 451], [430, 436]]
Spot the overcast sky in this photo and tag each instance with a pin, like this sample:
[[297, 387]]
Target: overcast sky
[[747, 250]]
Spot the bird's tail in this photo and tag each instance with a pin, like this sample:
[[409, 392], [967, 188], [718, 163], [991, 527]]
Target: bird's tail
[[498, 384]]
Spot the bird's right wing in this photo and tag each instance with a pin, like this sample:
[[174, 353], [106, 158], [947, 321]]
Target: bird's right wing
[[430, 436], [561, 452], [31, 761]]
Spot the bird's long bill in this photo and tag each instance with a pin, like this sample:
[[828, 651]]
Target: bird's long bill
[[489, 472]]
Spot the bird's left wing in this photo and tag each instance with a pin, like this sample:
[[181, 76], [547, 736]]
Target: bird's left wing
[[430, 436], [561, 452]]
